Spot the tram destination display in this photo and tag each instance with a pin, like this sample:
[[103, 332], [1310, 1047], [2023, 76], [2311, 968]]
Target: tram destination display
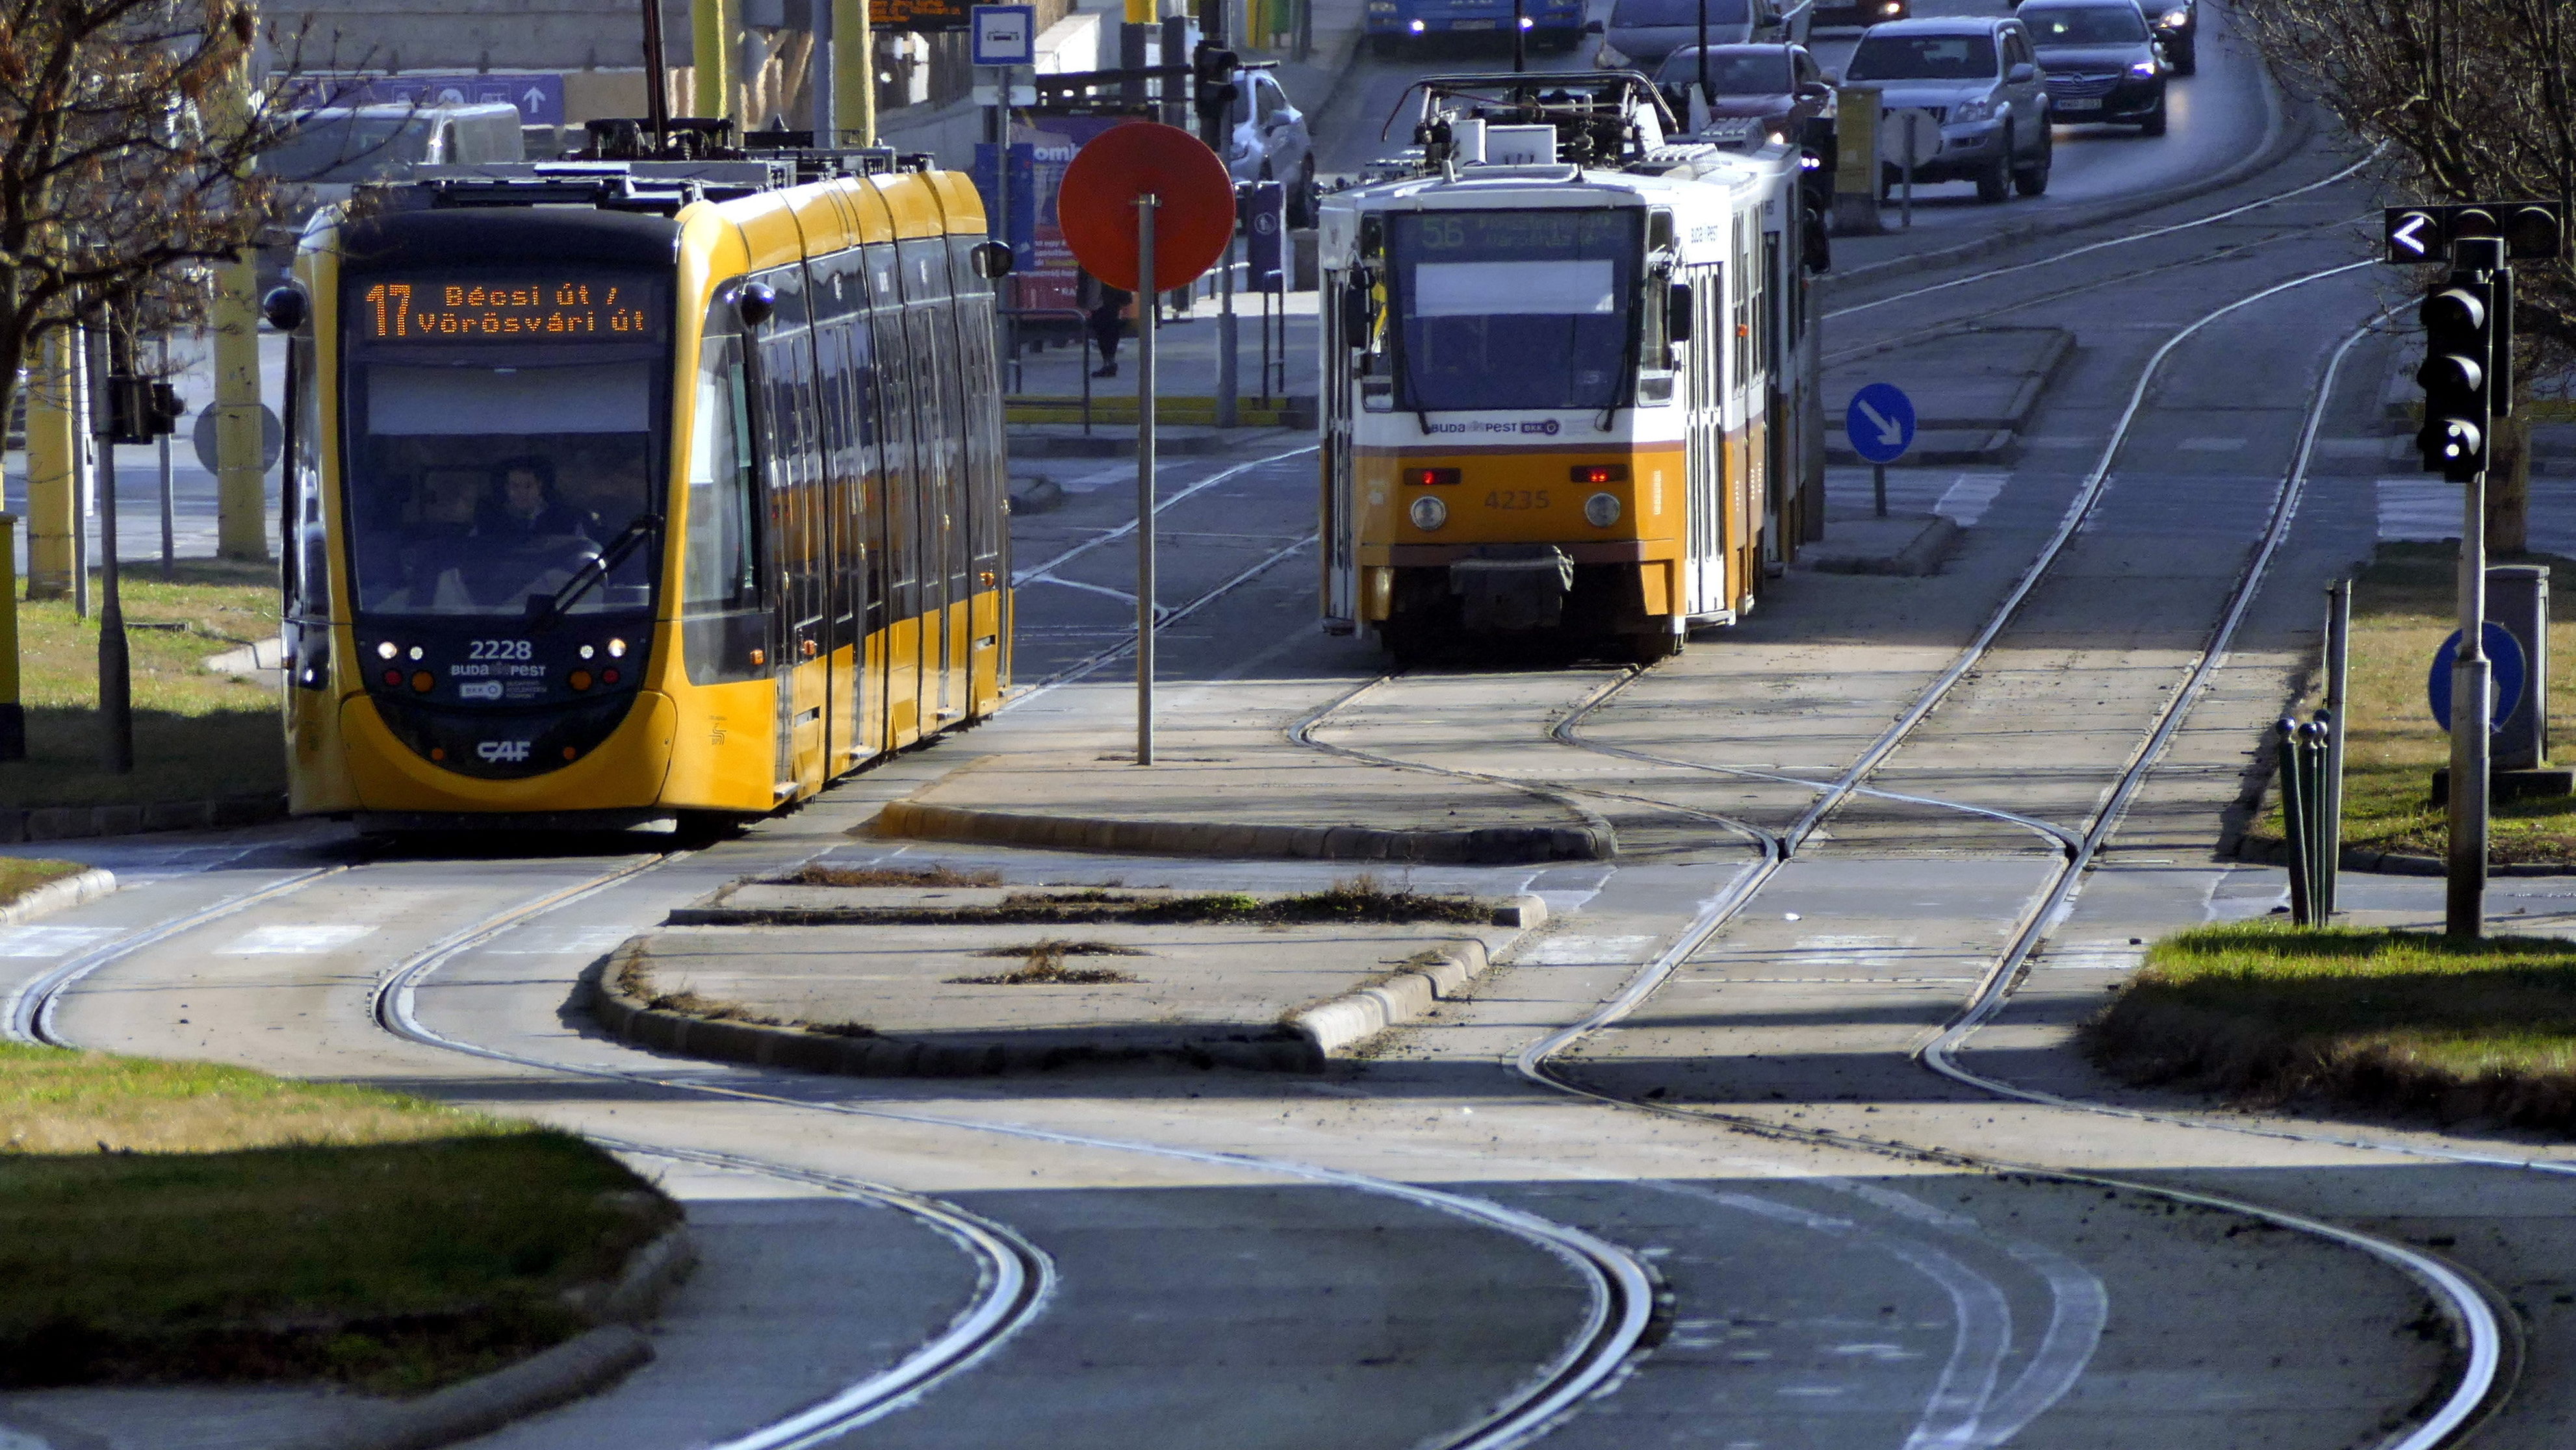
[[563, 307]]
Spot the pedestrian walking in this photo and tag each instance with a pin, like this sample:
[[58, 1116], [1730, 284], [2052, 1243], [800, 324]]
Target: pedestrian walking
[[1105, 310]]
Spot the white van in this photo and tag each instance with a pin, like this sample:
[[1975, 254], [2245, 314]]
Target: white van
[[327, 152]]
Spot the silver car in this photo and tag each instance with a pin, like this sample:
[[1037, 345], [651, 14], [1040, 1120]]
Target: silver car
[[1978, 75], [1640, 33], [1268, 141]]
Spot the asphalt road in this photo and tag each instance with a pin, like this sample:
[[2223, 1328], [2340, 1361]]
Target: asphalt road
[[1246, 1259]]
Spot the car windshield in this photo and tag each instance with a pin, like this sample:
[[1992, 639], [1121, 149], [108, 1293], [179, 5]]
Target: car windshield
[[1731, 73], [2089, 25], [501, 432], [348, 147], [1643, 14], [1515, 309], [1923, 58]]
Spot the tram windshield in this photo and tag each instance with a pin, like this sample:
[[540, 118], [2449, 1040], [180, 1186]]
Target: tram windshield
[[503, 431], [1515, 309]]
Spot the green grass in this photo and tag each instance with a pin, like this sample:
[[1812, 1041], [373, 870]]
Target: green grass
[[188, 1221], [197, 734], [2404, 606], [2401, 1021], [22, 874]]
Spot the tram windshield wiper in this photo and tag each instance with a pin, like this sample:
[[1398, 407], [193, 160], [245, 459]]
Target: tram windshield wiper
[[594, 570]]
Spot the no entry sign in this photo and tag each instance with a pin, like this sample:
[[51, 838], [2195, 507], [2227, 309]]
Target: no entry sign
[[1193, 215]]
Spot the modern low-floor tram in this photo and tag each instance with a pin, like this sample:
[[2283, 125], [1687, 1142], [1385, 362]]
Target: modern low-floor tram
[[633, 490]]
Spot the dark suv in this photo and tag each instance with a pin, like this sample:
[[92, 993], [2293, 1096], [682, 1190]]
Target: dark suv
[[1978, 75], [2103, 63]]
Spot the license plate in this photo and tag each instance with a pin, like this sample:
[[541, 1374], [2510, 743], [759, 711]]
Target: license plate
[[2080, 103], [1471, 25]]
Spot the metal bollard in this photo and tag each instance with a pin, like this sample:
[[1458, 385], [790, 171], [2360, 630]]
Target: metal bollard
[[2294, 822], [2308, 825]]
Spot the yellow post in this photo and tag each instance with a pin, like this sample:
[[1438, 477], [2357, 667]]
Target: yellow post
[[714, 35], [854, 71], [13, 715], [1141, 12], [53, 454], [241, 463]]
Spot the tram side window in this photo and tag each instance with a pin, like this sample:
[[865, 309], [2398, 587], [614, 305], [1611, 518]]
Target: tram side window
[[309, 577], [721, 571]]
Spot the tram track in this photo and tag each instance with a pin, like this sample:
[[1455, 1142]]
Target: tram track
[[2487, 1333]]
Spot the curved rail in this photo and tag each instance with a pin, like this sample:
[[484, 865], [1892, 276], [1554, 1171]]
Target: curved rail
[[2489, 1340]]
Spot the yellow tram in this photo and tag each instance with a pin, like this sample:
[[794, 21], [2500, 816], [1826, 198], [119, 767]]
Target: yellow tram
[[625, 490], [1569, 373]]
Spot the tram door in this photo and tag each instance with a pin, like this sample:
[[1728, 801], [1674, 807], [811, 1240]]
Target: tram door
[[929, 330], [798, 525], [850, 715], [899, 510], [1340, 524], [1704, 453]]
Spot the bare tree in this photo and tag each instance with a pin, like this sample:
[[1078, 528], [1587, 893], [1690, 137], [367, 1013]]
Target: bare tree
[[127, 149], [2475, 99]]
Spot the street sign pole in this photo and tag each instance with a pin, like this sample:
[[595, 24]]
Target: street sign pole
[[1146, 319], [2472, 709], [1878, 488], [107, 368]]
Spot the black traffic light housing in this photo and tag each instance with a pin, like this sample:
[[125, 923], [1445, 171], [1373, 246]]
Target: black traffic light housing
[[1213, 70], [2458, 375]]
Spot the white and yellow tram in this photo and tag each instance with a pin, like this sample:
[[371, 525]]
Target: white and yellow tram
[[1569, 373]]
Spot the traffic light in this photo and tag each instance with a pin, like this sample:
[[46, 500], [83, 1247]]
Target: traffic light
[[1213, 69], [2458, 377]]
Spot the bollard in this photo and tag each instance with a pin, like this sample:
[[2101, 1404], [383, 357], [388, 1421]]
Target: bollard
[[2325, 840], [2294, 822]]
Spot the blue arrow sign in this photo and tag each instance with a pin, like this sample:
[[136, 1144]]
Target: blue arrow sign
[[2510, 669], [1880, 422]]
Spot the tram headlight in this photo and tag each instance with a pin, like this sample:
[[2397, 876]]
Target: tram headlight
[[1428, 513], [387, 650], [617, 649], [587, 651], [1602, 509]]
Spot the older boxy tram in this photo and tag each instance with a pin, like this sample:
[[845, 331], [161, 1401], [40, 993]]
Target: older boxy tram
[[1570, 373], [632, 490]]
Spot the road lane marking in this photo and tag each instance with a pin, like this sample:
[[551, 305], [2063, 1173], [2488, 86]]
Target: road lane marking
[[301, 940], [51, 941]]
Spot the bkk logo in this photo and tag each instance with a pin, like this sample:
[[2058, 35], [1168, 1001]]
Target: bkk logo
[[496, 751], [1546, 426], [479, 690]]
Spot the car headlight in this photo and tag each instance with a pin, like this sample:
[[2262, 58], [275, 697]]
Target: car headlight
[[1981, 108], [1428, 513], [2174, 19], [2144, 70], [1891, 7], [1601, 510]]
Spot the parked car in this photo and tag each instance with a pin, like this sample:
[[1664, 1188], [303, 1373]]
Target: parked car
[[1780, 86], [1270, 142], [2103, 63], [1980, 77], [1640, 33], [1859, 12], [325, 153]]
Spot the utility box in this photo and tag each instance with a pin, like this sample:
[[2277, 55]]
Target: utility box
[[2518, 599], [1856, 174]]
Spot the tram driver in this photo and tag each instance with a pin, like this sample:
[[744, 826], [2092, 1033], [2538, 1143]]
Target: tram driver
[[527, 508]]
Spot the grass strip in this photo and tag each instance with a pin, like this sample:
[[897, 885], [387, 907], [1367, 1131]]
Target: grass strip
[[197, 735], [173, 1221], [2404, 605], [22, 874], [2399, 1021]]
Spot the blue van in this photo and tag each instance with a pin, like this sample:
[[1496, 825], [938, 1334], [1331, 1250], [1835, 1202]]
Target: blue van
[[1395, 24]]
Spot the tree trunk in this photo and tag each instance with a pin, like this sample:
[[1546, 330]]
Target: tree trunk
[[2509, 487]]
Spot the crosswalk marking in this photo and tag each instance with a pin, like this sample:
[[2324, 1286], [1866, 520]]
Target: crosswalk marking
[[305, 940]]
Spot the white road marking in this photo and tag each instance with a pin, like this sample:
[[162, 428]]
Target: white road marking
[[1969, 498], [2114, 955], [2210, 445], [1585, 951], [2352, 447], [304, 940], [50, 941], [561, 942]]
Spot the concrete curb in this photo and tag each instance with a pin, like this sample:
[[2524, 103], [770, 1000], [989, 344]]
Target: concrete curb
[[58, 895], [1310, 1035], [1490, 845], [582, 1365], [2285, 132], [1338, 1025], [1945, 446], [1923, 555], [2390, 863], [68, 823]]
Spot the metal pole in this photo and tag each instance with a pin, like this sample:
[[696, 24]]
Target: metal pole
[[13, 715], [1229, 368], [2338, 677], [1520, 38], [115, 677], [2295, 817], [1878, 487], [84, 468], [1707, 101], [1148, 315], [1908, 213], [823, 84], [2464, 908], [657, 77], [169, 490]]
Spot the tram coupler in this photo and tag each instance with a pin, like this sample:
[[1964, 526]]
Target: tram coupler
[[1512, 586]]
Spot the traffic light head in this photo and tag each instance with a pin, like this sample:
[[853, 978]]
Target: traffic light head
[[2458, 377]]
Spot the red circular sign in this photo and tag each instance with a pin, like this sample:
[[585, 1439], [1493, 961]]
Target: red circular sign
[[1096, 207]]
